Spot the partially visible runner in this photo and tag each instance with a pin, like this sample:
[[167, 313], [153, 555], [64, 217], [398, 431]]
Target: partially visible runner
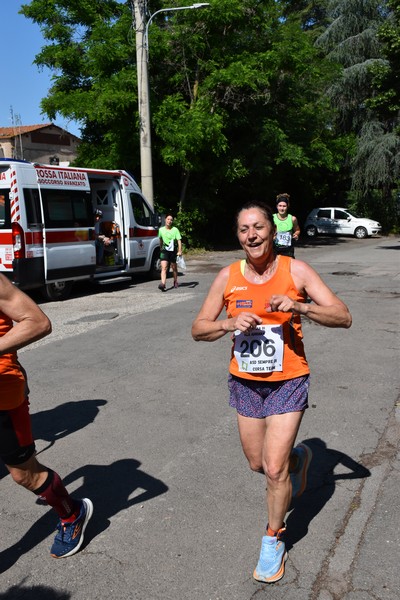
[[171, 247], [264, 296], [287, 227], [17, 446]]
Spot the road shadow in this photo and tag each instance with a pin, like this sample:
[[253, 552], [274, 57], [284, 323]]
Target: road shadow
[[62, 420], [111, 489], [322, 240], [35, 592], [321, 483], [83, 289], [185, 284]]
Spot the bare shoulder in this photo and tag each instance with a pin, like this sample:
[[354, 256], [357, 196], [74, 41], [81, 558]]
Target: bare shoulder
[[224, 273], [305, 277], [214, 300], [309, 281], [301, 269], [219, 283]]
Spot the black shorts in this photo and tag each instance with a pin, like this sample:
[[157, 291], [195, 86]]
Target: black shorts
[[285, 250], [16, 439], [168, 255]]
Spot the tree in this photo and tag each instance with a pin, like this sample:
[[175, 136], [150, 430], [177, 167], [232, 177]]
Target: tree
[[353, 40], [257, 80], [93, 82], [386, 76], [236, 97], [312, 14]]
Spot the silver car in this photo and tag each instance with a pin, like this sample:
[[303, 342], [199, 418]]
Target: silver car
[[339, 221]]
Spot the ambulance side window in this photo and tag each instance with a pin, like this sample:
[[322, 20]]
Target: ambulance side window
[[141, 212], [32, 204], [5, 219], [67, 208]]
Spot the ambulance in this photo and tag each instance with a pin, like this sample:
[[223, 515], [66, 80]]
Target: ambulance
[[47, 226]]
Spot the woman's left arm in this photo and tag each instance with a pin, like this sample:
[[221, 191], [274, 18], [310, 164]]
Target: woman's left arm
[[326, 308]]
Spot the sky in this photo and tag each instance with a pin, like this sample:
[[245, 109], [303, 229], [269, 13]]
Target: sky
[[23, 84]]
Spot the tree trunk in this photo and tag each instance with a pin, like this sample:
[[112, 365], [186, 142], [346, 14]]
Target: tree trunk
[[182, 197]]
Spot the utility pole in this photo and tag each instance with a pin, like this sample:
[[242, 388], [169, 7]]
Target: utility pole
[[142, 22], [146, 167]]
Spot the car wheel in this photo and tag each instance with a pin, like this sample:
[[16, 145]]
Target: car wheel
[[361, 233], [311, 231], [59, 290]]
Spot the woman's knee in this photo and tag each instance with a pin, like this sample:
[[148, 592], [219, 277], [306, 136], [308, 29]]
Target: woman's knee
[[276, 472], [255, 464], [22, 477], [30, 475]]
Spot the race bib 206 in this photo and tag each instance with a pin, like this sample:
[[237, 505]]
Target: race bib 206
[[259, 350]]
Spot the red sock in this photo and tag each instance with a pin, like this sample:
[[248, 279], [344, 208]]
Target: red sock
[[56, 496]]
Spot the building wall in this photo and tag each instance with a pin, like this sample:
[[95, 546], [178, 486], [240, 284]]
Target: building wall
[[49, 144]]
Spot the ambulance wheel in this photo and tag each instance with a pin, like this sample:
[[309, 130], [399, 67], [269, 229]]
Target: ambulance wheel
[[59, 290], [155, 267]]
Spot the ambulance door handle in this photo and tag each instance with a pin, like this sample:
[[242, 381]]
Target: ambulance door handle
[[91, 236]]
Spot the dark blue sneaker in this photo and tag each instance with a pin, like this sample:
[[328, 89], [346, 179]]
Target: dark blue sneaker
[[70, 535]]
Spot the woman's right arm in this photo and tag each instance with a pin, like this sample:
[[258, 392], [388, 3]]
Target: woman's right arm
[[206, 327]]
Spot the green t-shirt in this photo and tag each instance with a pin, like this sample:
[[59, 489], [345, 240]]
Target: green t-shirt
[[284, 231], [168, 237]]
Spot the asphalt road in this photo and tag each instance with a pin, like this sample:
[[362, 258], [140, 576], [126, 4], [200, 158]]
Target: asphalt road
[[133, 414]]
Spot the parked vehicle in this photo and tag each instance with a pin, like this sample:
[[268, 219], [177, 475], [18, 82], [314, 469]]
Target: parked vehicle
[[47, 226], [339, 221]]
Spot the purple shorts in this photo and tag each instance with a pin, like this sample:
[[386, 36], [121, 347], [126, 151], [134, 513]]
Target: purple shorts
[[259, 399]]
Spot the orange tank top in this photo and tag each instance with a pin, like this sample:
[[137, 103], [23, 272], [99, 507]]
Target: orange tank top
[[12, 379], [273, 351]]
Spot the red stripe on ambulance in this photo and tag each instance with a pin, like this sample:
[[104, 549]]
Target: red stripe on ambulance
[[135, 232], [60, 237]]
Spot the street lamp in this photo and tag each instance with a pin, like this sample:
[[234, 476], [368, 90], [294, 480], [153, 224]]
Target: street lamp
[[142, 56], [146, 34]]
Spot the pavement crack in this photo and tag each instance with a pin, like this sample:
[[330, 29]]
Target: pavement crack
[[335, 575]]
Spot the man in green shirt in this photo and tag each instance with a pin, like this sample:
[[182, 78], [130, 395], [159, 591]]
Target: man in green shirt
[[171, 247]]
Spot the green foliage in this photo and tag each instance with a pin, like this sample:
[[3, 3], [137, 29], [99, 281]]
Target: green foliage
[[192, 223], [384, 208], [385, 99], [362, 37], [186, 131], [243, 102]]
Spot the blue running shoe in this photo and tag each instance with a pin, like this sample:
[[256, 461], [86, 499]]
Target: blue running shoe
[[299, 476], [271, 564], [69, 538]]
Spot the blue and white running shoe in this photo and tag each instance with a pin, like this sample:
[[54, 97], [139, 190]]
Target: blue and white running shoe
[[69, 538], [271, 564]]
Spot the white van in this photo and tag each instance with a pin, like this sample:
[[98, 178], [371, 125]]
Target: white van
[[47, 237]]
